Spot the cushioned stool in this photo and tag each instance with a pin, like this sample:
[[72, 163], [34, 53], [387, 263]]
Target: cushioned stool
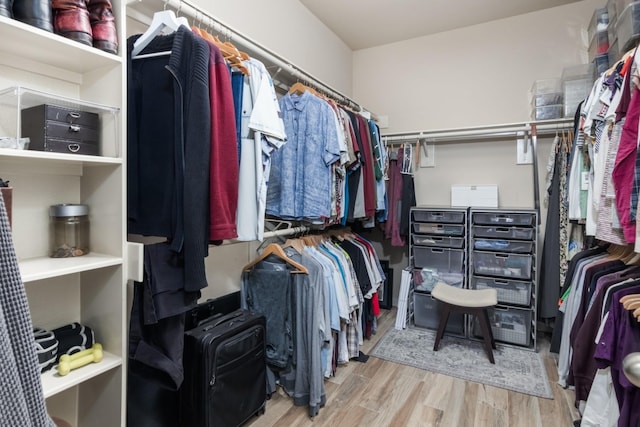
[[470, 301]]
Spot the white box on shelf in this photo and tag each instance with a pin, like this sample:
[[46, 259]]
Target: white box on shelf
[[477, 196]]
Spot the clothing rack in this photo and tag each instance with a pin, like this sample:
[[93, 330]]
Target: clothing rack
[[285, 73], [479, 132], [528, 130]]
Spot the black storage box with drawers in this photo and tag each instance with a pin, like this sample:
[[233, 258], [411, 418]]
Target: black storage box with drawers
[[61, 129]]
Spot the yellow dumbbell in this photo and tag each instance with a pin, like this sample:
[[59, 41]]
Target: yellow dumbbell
[[68, 363]]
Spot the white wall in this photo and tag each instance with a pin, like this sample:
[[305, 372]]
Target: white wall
[[473, 76], [288, 29], [477, 75]]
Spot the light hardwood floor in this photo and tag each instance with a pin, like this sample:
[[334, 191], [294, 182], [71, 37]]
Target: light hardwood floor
[[380, 393]]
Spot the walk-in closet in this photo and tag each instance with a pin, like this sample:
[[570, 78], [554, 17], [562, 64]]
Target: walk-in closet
[[305, 212]]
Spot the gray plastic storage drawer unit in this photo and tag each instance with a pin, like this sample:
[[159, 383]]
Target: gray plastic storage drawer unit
[[426, 314], [511, 325]]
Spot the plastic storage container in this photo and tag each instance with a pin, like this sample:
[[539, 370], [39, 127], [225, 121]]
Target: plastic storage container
[[437, 241], [612, 11], [509, 291], [546, 92], [513, 246], [503, 219], [511, 266], [614, 53], [599, 22], [628, 26], [439, 259], [599, 44], [439, 229], [503, 232], [438, 216], [548, 112], [426, 314], [69, 230], [511, 325], [577, 82]]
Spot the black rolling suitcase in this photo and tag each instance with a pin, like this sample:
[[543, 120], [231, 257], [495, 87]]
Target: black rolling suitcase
[[225, 371]]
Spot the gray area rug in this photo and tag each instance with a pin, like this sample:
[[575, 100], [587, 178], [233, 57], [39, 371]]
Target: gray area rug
[[515, 369]]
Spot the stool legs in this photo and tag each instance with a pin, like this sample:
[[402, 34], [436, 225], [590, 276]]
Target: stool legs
[[444, 318], [489, 342], [481, 313]]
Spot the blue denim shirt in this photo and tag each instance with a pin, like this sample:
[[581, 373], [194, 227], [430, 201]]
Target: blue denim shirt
[[300, 179]]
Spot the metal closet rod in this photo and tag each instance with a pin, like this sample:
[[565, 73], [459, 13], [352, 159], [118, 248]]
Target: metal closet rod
[[244, 43], [501, 130]]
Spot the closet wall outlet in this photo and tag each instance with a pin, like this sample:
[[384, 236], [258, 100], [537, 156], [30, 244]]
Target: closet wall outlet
[[524, 153], [427, 155]]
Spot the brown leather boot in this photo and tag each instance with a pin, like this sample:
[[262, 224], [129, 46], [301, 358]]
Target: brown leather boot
[[33, 12], [6, 7], [103, 26], [71, 20]]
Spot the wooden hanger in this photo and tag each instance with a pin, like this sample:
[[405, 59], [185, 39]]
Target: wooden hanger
[[621, 60], [275, 249], [296, 244], [298, 89]]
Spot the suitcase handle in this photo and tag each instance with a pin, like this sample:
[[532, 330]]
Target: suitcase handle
[[212, 323]]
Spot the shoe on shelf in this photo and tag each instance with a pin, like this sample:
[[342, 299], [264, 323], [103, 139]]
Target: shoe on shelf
[[103, 26], [71, 20], [33, 12]]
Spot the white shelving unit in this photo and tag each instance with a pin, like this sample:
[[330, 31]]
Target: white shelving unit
[[37, 67]]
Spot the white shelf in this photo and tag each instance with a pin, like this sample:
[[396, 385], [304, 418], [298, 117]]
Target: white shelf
[[51, 49], [62, 158], [52, 383], [45, 267]]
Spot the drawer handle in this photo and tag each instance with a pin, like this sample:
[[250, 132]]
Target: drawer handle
[[75, 115], [74, 128], [74, 148]]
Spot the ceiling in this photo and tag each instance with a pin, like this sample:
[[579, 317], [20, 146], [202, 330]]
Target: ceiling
[[366, 23]]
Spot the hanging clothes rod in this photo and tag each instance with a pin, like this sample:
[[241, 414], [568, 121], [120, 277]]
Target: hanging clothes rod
[[269, 58], [480, 132]]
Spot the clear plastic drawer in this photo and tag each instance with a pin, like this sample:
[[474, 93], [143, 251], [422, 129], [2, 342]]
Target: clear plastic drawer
[[511, 266], [511, 325], [426, 314], [509, 233], [516, 246], [440, 229], [509, 291], [451, 217], [439, 259], [504, 219], [438, 241]]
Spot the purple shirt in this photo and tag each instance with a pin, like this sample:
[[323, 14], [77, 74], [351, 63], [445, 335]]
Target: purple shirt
[[621, 336], [583, 364]]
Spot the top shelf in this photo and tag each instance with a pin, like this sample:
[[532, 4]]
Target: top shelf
[[28, 42]]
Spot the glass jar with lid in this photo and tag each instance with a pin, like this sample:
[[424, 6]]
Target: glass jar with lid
[[69, 230]]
